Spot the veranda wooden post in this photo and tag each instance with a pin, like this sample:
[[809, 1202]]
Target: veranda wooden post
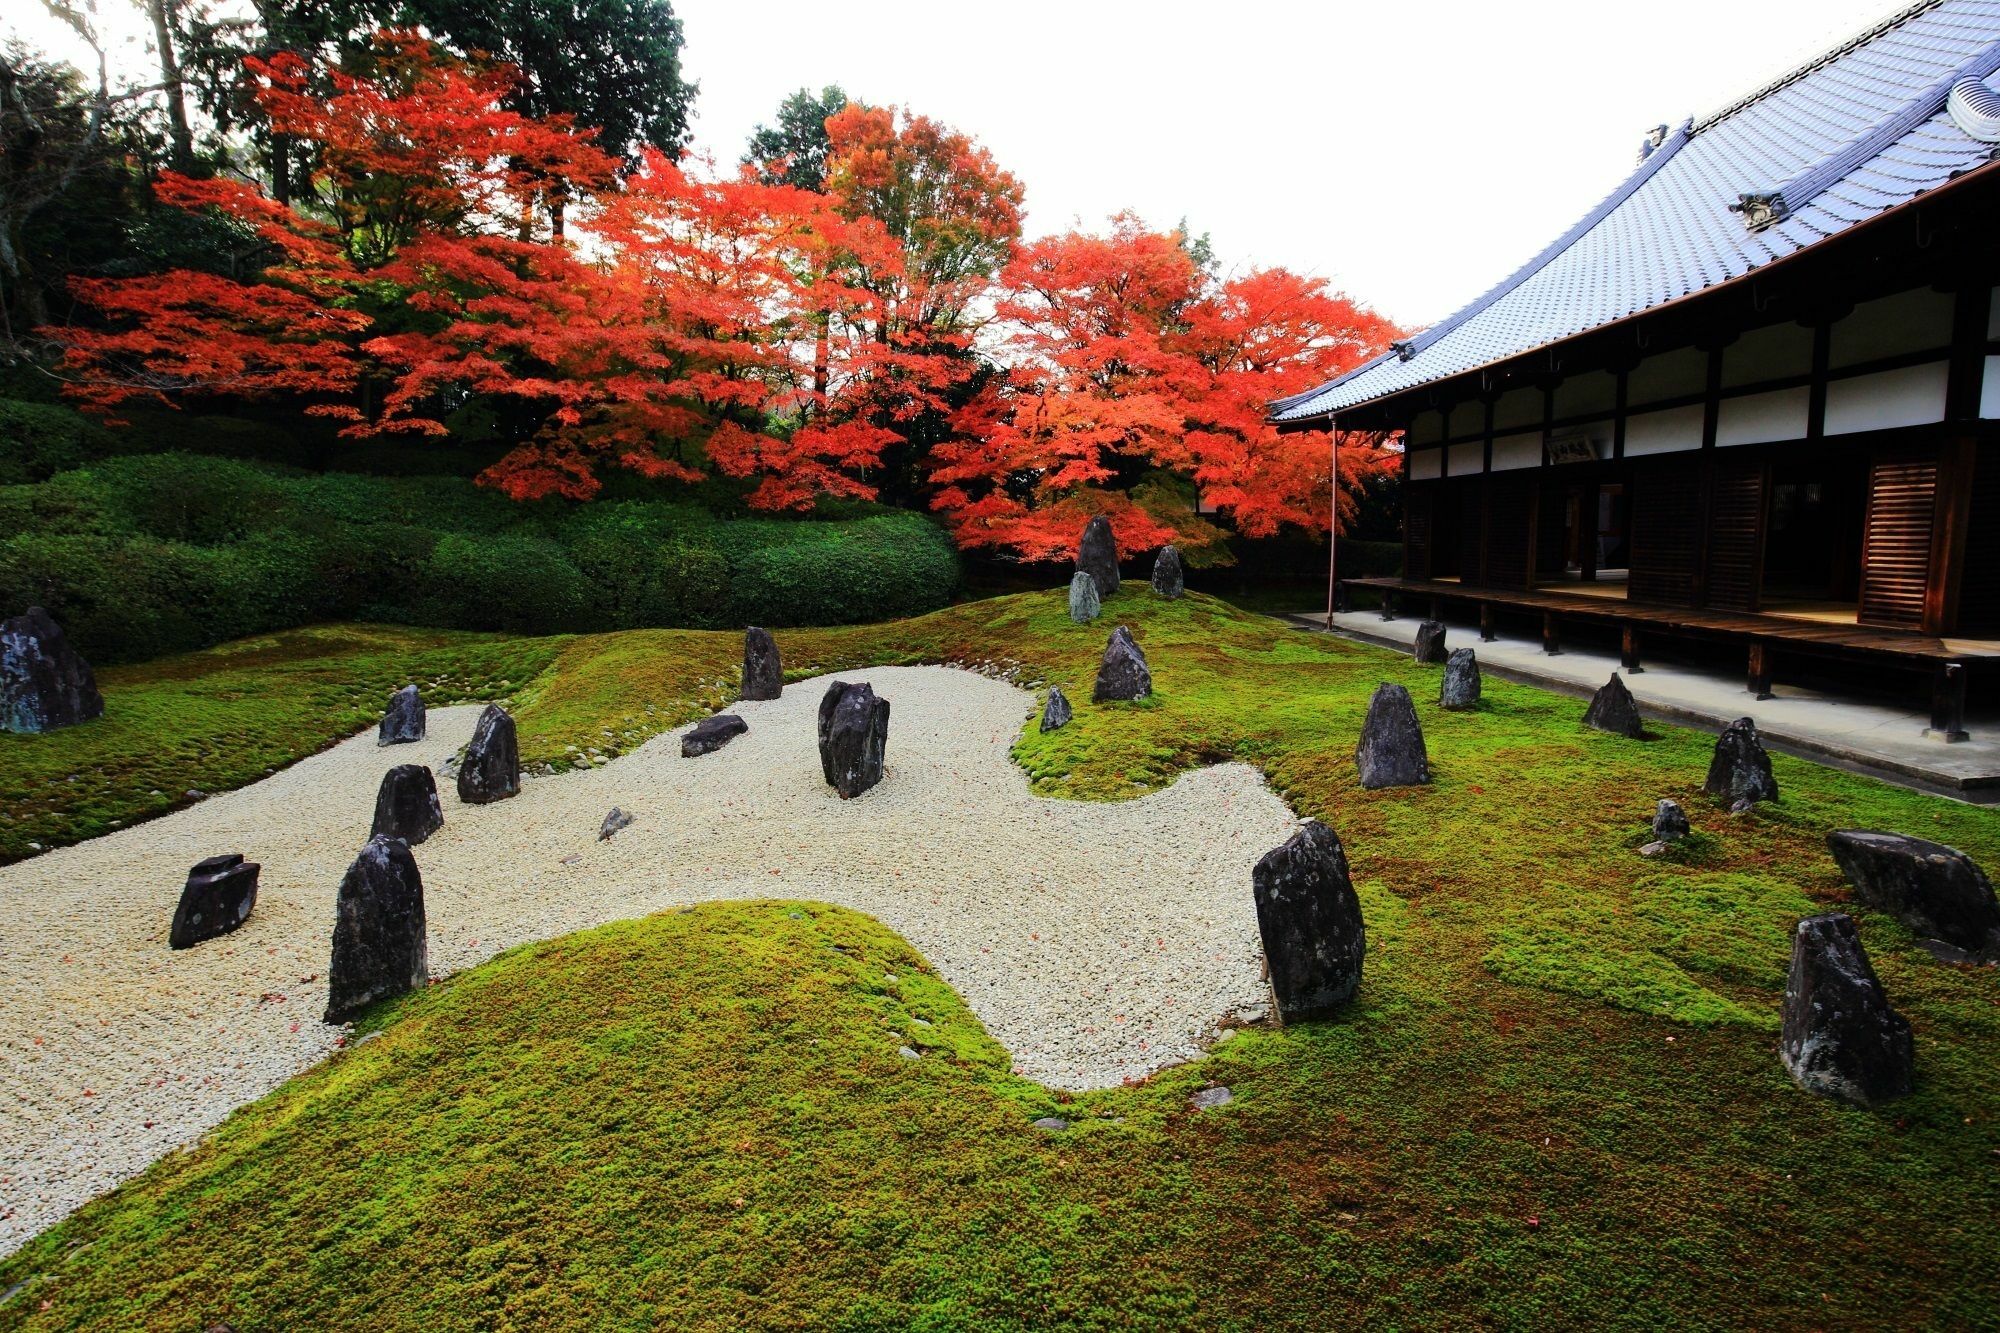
[[1333, 516]]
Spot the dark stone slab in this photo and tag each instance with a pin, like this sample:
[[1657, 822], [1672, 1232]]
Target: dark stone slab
[[1740, 772], [613, 822], [217, 898], [711, 734], [404, 720], [1122, 673], [1429, 646], [1056, 713], [1613, 709], [1840, 1037], [1935, 890], [380, 943], [1168, 578], [1391, 752], [1097, 555], [1460, 688], [1310, 923], [1084, 603], [853, 737], [763, 674], [407, 805], [491, 769], [44, 684], [1670, 822]]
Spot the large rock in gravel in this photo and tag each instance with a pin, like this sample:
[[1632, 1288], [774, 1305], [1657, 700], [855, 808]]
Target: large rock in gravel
[[1168, 579], [1840, 1037], [380, 943], [1613, 709], [1429, 646], [711, 734], [1084, 603], [853, 737], [217, 898], [1056, 713], [1097, 555], [1670, 822], [404, 721], [615, 821], [1740, 773], [1460, 688], [491, 769], [1391, 752], [1122, 673], [763, 674], [43, 683], [1310, 923], [1935, 890], [407, 805]]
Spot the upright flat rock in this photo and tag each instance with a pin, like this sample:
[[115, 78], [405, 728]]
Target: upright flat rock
[[1459, 690], [1084, 603], [1391, 752], [1840, 1038], [381, 946], [491, 770], [1310, 922], [1935, 890], [853, 737], [1740, 773], [763, 674], [1122, 673], [711, 734], [1614, 710], [404, 720], [1056, 713], [217, 898], [407, 805], [44, 684], [1670, 822], [1169, 580], [1097, 555], [1429, 646]]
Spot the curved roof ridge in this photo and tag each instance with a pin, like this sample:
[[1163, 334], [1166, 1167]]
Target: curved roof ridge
[[1799, 71]]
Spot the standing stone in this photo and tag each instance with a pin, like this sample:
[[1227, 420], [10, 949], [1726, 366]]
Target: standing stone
[[763, 674], [1168, 579], [43, 683], [1084, 603], [217, 898], [1670, 822], [1429, 646], [407, 805], [1460, 689], [1613, 709], [404, 722], [1840, 1037], [1740, 773], [491, 769], [1122, 674], [380, 947], [711, 734], [853, 737], [1935, 890], [1310, 923], [1056, 712], [1097, 555], [1391, 752]]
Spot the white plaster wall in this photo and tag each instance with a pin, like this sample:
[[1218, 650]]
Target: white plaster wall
[[1513, 452], [1518, 407], [1424, 463], [1767, 354], [1758, 418], [1913, 321], [1989, 389], [1886, 399], [1665, 432], [1668, 375], [1467, 458]]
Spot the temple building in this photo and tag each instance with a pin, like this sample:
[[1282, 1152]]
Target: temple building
[[1752, 397]]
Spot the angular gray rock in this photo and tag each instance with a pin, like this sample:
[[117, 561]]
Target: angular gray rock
[[1209, 1098], [381, 946], [1054, 1124], [1429, 646], [1670, 822], [1097, 555], [491, 769], [1935, 890], [614, 821], [1084, 603], [763, 673], [407, 805], [711, 734], [1740, 772], [1056, 713], [404, 720], [1839, 1037], [1168, 579], [1310, 922], [1613, 709], [1391, 752], [217, 898], [853, 737], [1460, 688], [1122, 673], [44, 684]]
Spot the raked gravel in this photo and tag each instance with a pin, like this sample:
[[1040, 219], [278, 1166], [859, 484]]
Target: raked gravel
[[1097, 942]]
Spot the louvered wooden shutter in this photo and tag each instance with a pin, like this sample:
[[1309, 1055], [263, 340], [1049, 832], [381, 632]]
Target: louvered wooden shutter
[[1666, 532], [1736, 536], [1896, 542], [1472, 531], [1510, 520], [1417, 506]]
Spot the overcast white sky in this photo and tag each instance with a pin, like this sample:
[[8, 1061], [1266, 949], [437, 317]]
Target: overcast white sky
[[1413, 151]]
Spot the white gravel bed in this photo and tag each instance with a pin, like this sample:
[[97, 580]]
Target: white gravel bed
[[1097, 942]]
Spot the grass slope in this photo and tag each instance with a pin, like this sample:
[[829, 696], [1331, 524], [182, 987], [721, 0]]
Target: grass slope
[[1555, 1100]]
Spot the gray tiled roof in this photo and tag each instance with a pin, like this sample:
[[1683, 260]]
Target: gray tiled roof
[[1859, 131]]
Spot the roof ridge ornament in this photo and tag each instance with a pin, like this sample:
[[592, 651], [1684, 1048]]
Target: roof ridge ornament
[[1761, 208], [1651, 143], [1975, 108]]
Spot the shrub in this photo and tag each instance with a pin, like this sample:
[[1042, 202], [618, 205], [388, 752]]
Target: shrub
[[525, 585], [832, 574], [38, 440]]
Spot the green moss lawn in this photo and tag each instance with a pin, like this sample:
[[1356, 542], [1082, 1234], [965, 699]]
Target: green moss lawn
[[1555, 1102]]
